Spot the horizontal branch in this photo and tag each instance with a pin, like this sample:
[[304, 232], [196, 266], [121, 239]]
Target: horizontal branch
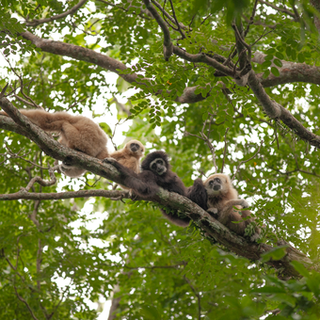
[[23, 194], [80, 53], [290, 72]]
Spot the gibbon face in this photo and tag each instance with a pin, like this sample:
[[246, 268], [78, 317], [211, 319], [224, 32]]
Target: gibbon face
[[135, 148], [158, 166], [217, 184]]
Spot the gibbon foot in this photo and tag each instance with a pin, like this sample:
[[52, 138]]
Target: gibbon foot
[[109, 161], [213, 212]]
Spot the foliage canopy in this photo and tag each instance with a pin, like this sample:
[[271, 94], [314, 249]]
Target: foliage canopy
[[241, 82]]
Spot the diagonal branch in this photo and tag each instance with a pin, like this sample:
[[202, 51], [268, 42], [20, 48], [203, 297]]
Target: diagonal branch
[[80, 53], [201, 218], [74, 9], [289, 73], [283, 10], [167, 44], [276, 111]]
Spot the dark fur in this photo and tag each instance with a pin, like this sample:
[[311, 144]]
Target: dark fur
[[198, 194], [147, 182], [133, 180], [168, 181]]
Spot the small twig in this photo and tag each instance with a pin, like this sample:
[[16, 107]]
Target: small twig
[[244, 161], [21, 85], [176, 21], [284, 10], [225, 150], [42, 182], [121, 106], [251, 18], [25, 302], [263, 35], [3, 91], [74, 9], [16, 156], [239, 37], [176, 266], [164, 17], [168, 16], [204, 20], [196, 294]]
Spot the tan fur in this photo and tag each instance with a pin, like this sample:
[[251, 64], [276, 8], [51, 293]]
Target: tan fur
[[129, 158], [76, 132], [221, 203]]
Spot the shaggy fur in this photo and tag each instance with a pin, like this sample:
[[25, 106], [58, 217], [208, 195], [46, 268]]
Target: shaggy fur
[[76, 132], [222, 197], [198, 194], [167, 180], [130, 155]]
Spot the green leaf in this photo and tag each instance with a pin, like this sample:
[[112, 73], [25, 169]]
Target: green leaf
[[275, 71], [274, 254]]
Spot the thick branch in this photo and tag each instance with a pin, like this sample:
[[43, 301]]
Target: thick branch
[[289, 72], [36, 22], [276, 111], [201, 218], [80, 53]]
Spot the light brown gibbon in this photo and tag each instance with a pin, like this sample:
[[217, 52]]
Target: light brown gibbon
[[222, 198], [76, 132], [130, 155]]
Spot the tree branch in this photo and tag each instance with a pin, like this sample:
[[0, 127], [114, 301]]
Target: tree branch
[[74, 9], [24, 194], [200, 217], [167, 44]]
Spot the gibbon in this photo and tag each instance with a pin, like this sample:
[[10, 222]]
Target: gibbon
[[156, 172], [217, 196], [156, 169], [76, 132], [198, 194], [222, 197], [130, 155]]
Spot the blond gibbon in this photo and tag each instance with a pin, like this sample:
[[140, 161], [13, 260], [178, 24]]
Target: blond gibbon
[[76, 132], [221, 198], [130, 155]]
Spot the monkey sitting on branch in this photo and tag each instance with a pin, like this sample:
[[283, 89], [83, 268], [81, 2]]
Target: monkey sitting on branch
[[130, 155], [220, 199], [76, 132]]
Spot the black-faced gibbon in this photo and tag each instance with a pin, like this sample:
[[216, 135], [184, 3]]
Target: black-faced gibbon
[[76, 132], [222, 197], [130, 155], [157, 170]]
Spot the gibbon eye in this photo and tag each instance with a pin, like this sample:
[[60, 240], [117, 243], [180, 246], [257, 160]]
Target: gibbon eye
[[210, 183], [154, 166], [217, 180]]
